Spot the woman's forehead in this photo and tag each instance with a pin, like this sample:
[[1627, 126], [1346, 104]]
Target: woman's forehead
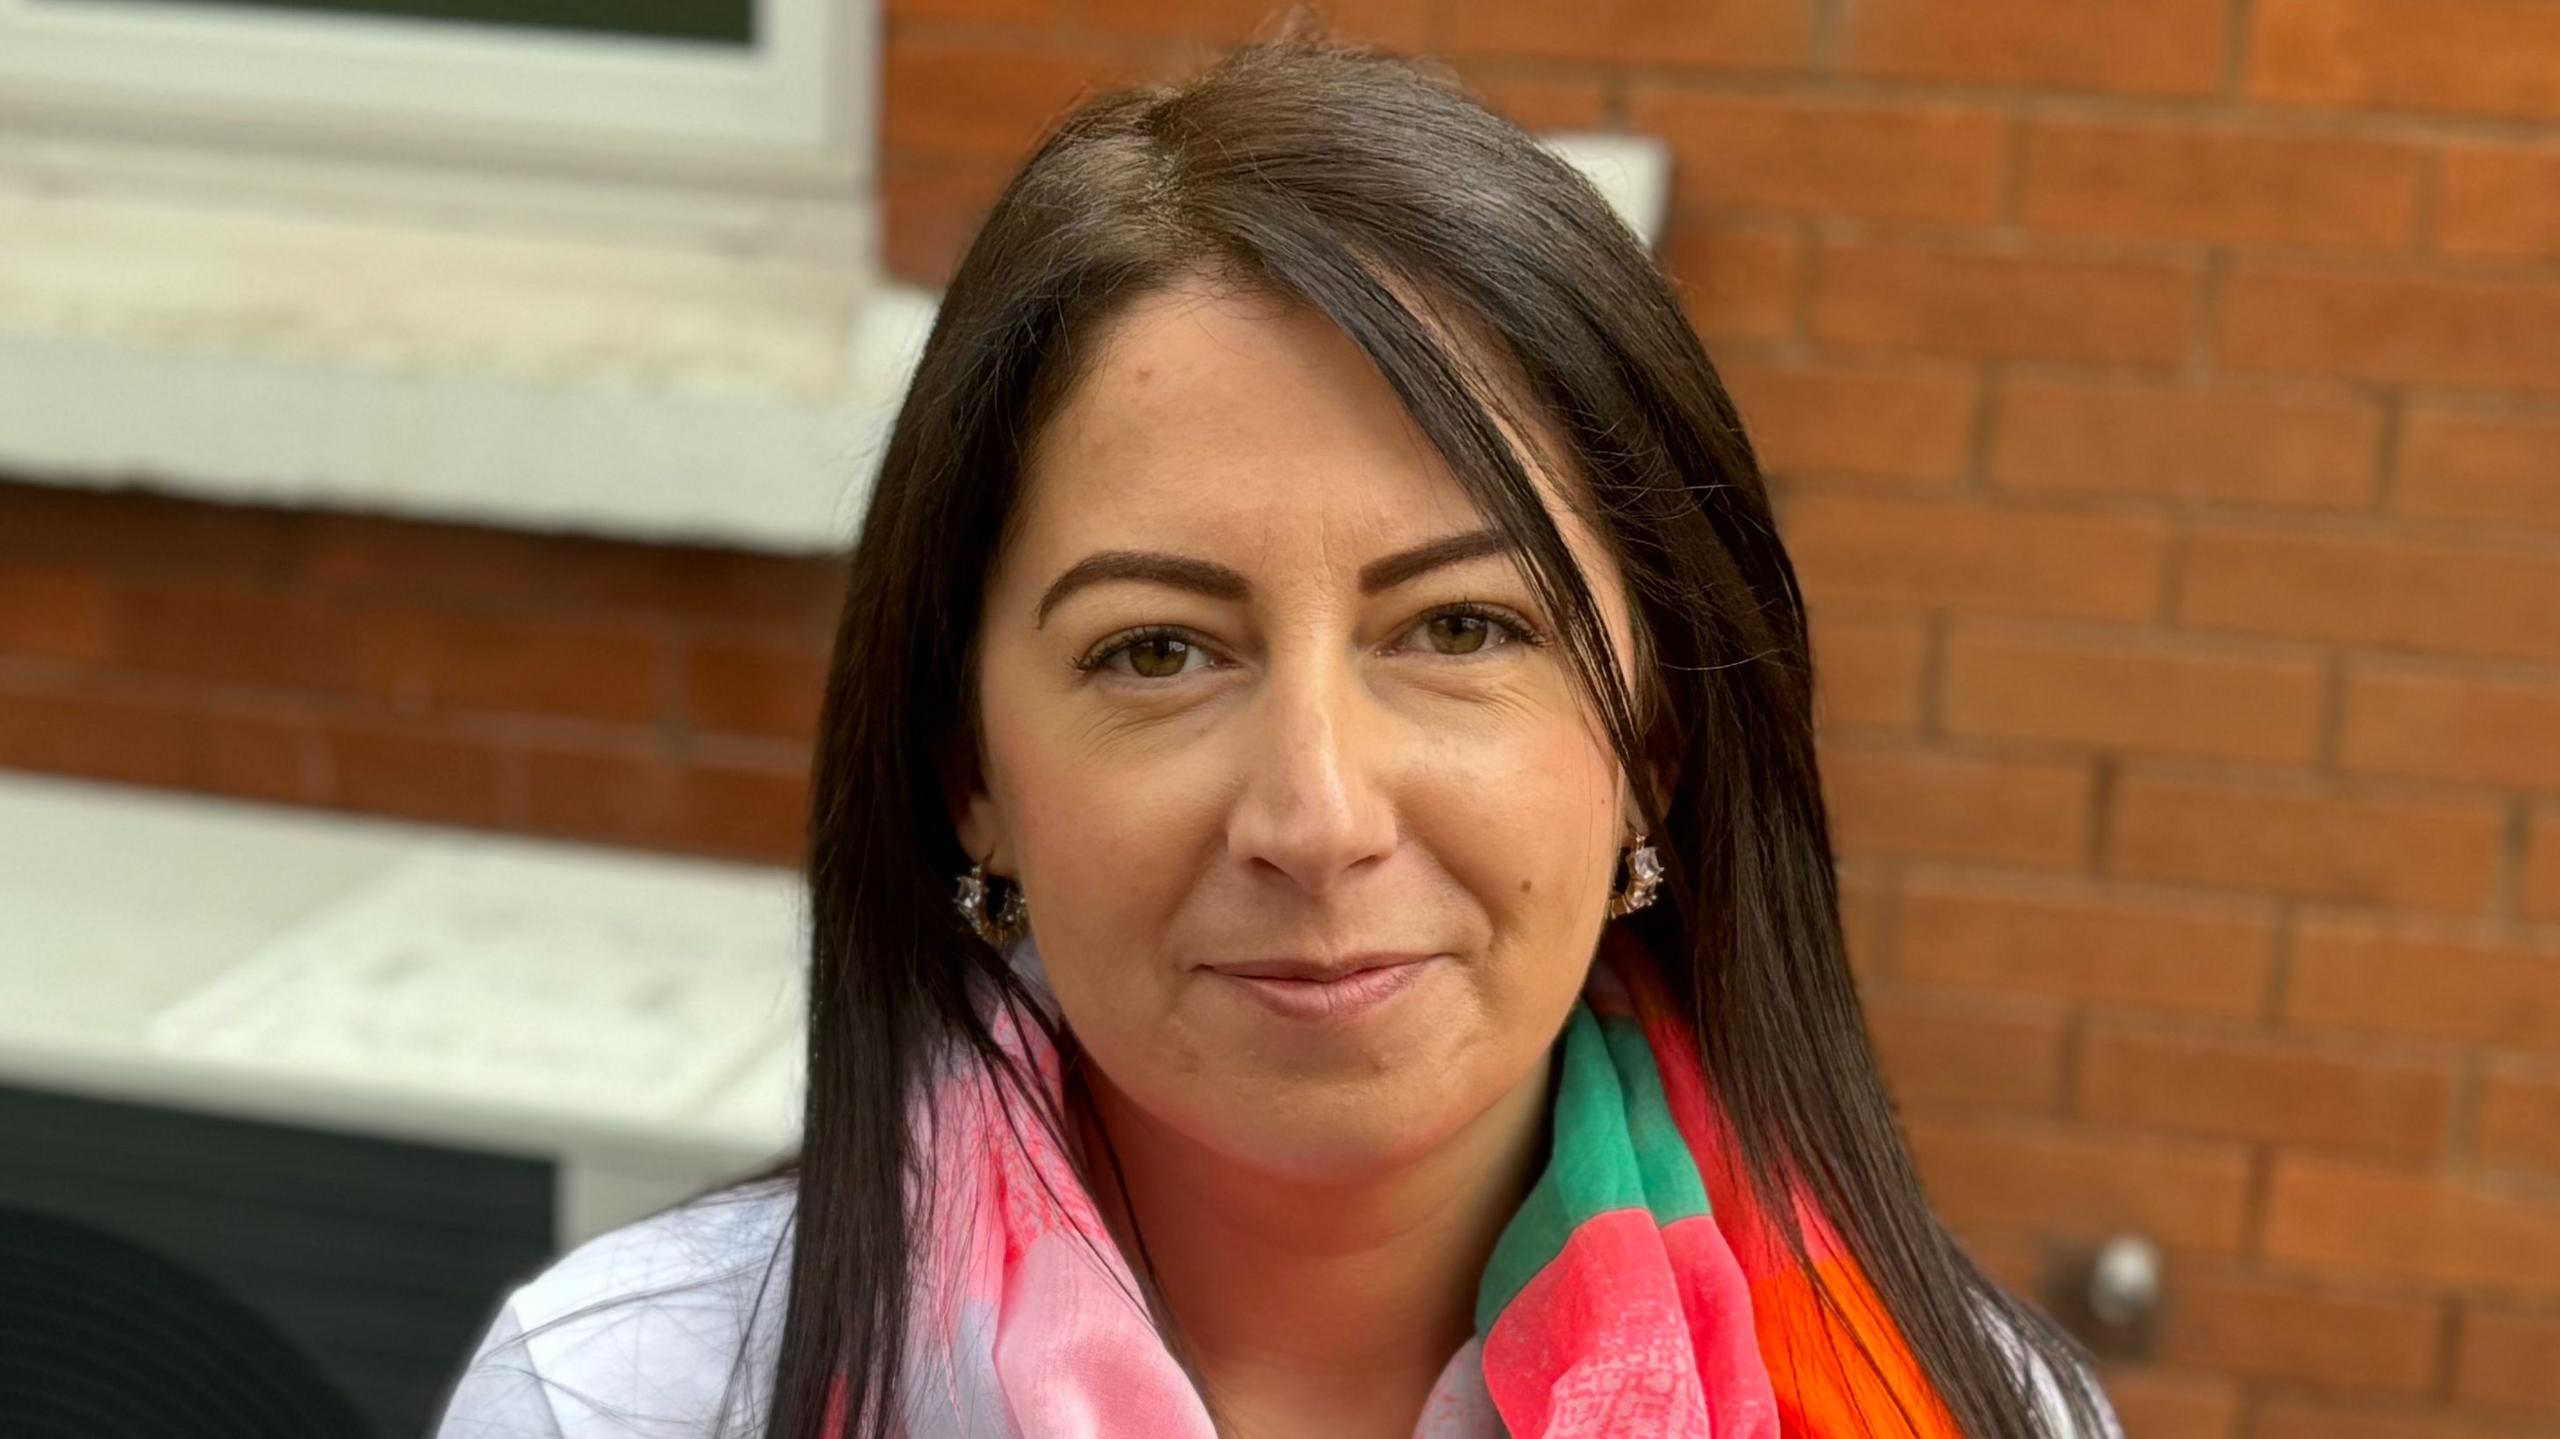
[[1224, 413]]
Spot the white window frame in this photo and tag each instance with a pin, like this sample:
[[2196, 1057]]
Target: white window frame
[[798, 107], [497, 274]]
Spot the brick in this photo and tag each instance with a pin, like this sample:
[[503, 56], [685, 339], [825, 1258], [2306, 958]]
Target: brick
[[983, 98], [2499, 202], [2166, 47], [2471, 57], [2538, 895], [2015, 1260], [2219, 184], [2139, 695], [422, 660], [2434, 724], [793, 593], [1866, 908], [2034, 814], [1943, 1052], [136, 532], [1394, 24], [2518, 1126], [634, 794], [106, 726], [2079, 944], [2001, 304], [52, 613], [2278, 1329], [110, 728], [2012, 560], [621, 792], [2413, 1224], [757, 812], [233, 633], [1718, 34], [2156, 1403], [1737, 282], [264, 754], [2279, 1090], [2291, 838], [2424, 983], [2194, 446], [564, 574], [1933, 161], [983, 12], [1912, 426], [2377, 593], [933, 210], [1867, 670], [1540, 103], [2391, 327], [54, 728], [373, 556], [416, 772], [2079, 1184], [2297, 1419], [2504, 1357], [2482, 468], [759, 689]]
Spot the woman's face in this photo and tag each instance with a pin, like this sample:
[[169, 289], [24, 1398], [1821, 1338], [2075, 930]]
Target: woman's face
[[1234, 714]]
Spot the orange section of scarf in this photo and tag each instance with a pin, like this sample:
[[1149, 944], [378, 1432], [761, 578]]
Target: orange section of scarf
[[1839, 1369]]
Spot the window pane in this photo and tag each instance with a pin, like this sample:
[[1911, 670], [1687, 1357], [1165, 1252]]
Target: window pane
[[729, 22]]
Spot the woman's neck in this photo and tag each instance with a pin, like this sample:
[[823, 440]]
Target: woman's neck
[[1297, 1306]]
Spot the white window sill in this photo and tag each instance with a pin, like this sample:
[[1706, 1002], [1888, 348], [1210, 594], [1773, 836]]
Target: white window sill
[[545, 354]]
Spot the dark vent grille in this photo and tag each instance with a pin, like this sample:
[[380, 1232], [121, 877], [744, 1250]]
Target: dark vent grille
[[170, 1273]]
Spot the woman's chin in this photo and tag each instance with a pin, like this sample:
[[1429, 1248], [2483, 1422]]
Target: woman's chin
[[1320, 1145]]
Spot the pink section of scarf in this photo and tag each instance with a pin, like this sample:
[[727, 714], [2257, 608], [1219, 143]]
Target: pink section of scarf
[[1030, 1326]]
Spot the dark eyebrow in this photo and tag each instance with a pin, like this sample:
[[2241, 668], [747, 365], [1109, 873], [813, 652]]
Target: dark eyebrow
[[1218, 582]]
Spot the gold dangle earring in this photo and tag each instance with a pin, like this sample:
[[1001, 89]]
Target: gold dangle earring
[[999, 923], [1644, 876]]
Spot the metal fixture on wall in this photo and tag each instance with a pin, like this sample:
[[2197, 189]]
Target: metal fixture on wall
[[2109, 1297]]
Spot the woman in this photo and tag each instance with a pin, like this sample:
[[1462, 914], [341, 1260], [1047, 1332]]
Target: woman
[[1321, 607]]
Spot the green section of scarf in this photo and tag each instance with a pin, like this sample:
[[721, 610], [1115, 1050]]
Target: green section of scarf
[[1614, 1147]]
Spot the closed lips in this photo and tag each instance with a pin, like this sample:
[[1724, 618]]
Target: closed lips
[[1317, 971]]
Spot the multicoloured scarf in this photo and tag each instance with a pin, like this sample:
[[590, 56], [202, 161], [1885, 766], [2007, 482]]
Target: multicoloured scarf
[[1638, 1291]]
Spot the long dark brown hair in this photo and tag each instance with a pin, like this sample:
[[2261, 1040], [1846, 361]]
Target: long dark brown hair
[[1377, 191]]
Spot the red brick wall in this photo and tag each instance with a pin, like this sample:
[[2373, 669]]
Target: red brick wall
[[649, 695], [2163, 398], [2164, 402]]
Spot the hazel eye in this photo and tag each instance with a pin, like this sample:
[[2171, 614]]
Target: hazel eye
[[1471, 630], [1157, 657], [1151, 654], [1464, 634]]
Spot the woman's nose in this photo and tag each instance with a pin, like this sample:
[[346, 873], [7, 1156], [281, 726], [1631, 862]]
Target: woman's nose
[[1313, 803]]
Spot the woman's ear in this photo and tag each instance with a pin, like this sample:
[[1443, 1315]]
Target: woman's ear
[[975, 816], [1630, 800]]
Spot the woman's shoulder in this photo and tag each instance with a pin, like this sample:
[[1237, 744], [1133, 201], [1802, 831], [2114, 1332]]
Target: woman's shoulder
[[639, 1330]]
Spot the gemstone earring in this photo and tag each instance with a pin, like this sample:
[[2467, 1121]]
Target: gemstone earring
[[1010, 915], [1644, 875]]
